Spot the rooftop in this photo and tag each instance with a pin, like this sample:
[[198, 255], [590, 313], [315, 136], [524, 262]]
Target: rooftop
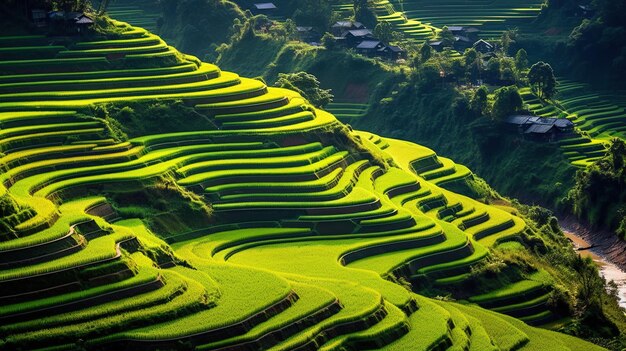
[[348, 24], [456, 28], [483, 42], [368, 44], [265, 6], [533, 121], [393, 48], [518, 119], [358, 32], [84, 20], [539, 129], [563, 123]]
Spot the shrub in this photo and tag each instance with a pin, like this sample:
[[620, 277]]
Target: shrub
[[507, 100], [307, 85]]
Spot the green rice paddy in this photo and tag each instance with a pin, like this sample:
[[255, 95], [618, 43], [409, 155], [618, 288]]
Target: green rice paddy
[[303, 228]]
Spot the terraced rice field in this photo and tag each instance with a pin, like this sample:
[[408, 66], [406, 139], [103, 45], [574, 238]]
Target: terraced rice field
[[347, 112], [490, 16], [422, 19], [600, 116], [303, 229], [412, 28], [135, 12]]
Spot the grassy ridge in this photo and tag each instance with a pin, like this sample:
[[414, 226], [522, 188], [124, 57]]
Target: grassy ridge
[[333, 210]]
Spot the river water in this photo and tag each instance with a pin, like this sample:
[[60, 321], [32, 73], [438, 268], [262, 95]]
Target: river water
[[607, 269]]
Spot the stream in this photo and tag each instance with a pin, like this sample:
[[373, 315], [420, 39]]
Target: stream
[[607, 269]]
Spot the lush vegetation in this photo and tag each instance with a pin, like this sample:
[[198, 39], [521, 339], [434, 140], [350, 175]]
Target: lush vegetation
[[596, 48], [151, 200], [597, 195]]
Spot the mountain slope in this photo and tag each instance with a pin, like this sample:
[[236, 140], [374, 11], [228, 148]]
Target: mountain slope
[[155, 201]]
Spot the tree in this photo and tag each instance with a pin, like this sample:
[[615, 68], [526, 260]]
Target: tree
[[429, 74], [363, 13], [68, 5], [473, 63], [446, 37], [507, 39], [422, 54], [521, 60], [591, 286], [307, 85], [315, 13], [290, 28], [260, 22], [542, 81], [617, 153], [507, 101], [479, 102], [470, 55], [425, 53], [456, 68], [492, 71], [383, 31], [328, 41], [508, 73]]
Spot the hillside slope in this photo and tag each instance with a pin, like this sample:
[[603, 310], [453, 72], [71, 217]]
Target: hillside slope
[[155, 201]]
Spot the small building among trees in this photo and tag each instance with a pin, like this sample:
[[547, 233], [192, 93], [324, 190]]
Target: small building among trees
[[541, 128], [484, 47], [308, 34], [69, 22], [461, 43], [460, 31], [339, 28], [265, 8], [391, 52], [356, 36], [369, 47]]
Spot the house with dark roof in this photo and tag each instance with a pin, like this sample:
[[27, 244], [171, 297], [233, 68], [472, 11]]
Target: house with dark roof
[[540, 128], [545, 132], [564, 125], [461, 43], [484, 47], [340, 27], [391, 52], [457, 30], [356, 36], [460, 31], [264, 8], [70, 22], [437, 45], [308, 34], [369, 47]]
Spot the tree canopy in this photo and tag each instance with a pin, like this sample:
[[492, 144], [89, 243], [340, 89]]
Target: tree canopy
[[521, 60], [446, 37], [363, 13], [542, 81], [480, 101], [307, 85], [507, 101], [383, 31]]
